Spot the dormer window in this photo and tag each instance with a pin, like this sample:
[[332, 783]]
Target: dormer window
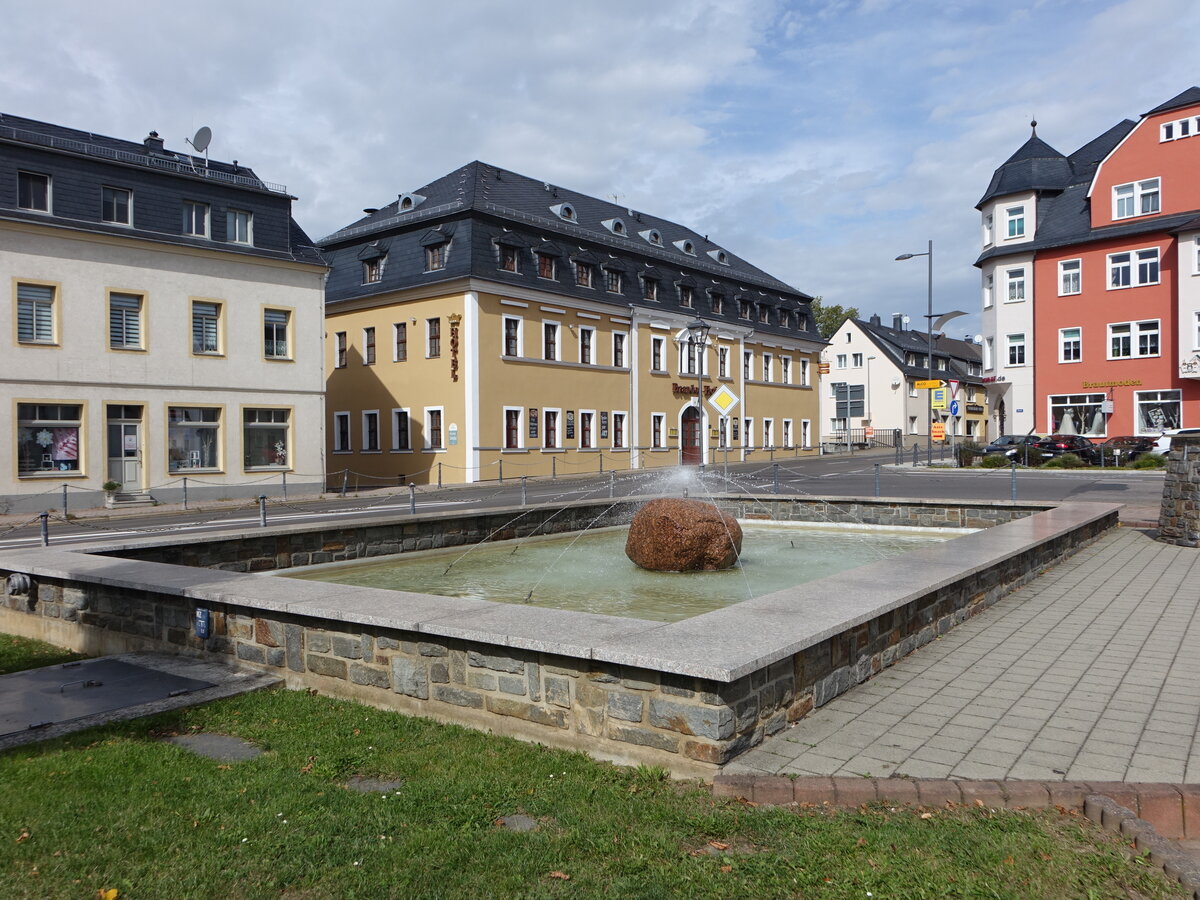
[[1138, 198], [652, 236], [686, 247], [435, 258], [410, 202], [373, 270], [764, 313], [508, 258], [743, 309], [616, 226], [718, 304], [686, 295], [649, 288], [720, 256], [785, 319], [564, 211]]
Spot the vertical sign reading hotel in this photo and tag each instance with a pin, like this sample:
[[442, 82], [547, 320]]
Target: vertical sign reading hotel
[[533, 416]]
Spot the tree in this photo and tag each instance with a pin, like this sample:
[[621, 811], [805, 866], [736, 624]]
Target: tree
[[830, 317]]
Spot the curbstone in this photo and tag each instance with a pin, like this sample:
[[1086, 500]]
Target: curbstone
[[773, 790], [814, 789], [898, 792], [939, 793], [987, 793], [1190, 794], [734, 786], [1162, 806], [1026, 795], [855, 791], [1067, 794]]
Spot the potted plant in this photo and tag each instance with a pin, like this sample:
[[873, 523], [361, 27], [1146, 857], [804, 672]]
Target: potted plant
[[110, 489]]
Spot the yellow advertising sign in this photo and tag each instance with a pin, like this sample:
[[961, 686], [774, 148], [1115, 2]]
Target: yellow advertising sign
[[939, 431], [928, 385], [939, 398]]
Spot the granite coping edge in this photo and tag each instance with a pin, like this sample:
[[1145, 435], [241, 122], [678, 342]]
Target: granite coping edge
[[696, 647]]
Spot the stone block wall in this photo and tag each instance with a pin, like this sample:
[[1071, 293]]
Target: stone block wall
[[1179, 520]]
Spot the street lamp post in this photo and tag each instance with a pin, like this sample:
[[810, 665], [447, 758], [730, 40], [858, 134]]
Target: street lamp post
[[869, 419], [929, 324], [698, 339]]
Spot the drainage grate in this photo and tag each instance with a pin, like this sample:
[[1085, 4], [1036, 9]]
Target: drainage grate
[[39, 698]]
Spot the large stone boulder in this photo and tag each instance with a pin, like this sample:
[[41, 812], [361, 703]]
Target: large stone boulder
[[683, 536]]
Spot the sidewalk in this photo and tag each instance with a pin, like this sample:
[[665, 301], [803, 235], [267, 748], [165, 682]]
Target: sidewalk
[[1088, 673]]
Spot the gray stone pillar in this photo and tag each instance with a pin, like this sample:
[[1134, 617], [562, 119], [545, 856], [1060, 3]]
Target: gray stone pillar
[[1179, 520]]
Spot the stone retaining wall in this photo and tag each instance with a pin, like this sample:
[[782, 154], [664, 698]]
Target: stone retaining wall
[[354, 642], [1179, 520]]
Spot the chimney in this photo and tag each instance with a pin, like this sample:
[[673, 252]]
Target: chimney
[[875, 320], [154, 144], [898, 321]]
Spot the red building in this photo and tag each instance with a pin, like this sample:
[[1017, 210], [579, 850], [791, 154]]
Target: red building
[[1091, 280]]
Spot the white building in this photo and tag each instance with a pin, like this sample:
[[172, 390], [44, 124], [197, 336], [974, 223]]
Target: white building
[[167, 323]]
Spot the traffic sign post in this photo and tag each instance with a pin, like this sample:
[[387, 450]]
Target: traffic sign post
[[928, 384], [939, 398], [954, 407], [938, 431]]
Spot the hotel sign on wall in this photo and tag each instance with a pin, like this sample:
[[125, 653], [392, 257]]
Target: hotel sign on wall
[[1190, 368]]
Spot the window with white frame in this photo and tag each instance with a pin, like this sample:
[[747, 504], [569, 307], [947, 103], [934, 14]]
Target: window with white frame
[[368, 335], [341, 432], [806, 432], [265, 438], [35, 313], [1014, 217], [787, 433], [856, 360], [1179, 129], [550, 340], [1070, 344], [193, 437], [768, 432], [912, 388], [1069, 271], [550, 439], [195, 218], [767, 366], [370, 430], [686, 296], [48, 438], [1158, 410], [583, 274], [1138, 198], [587, 434], [912, 424], [239, 226], [1196, 331], [722, 362], [116, 205], [1077, 414], [618, 349], [435, 257], [33, 191], [401, 431], [1196, 257], [372, 270], [987, 229], [785, 369], [804, 372], [989, 354], [587, 345], [512, 336], [747, 365], [841, 360], [545, 266], [656, 430], [618, 431], [1015, 279], [723, 431], [612, 281], [513, 430], [656, 354], [649, 288], [1129, 340], [400, 342], [749, 439], [276, 323], [206, 327], [433, 337], [508, 258], [1123, 273], [989, 289], [1016, 349], [434, 439], [125, 329]]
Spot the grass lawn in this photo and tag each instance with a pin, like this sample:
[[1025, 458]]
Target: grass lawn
[[17, 653], [116, 807]]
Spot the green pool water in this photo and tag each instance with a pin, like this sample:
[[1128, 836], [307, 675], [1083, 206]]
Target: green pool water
[[590, 572]]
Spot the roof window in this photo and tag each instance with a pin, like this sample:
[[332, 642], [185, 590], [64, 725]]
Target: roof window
[[652, 236], [410, 201], [616, 226], [686, 247], [720, 256], [564, 211]]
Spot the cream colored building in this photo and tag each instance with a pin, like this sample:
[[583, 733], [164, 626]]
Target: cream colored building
[[166, 324], [489, 325]]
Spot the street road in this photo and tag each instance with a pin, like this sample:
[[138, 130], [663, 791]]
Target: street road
[[839, 475]]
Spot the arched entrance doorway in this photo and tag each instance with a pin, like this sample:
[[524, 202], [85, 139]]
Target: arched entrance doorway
[[690, 444]]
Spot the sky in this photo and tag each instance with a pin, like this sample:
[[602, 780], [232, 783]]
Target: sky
[[816, 140]]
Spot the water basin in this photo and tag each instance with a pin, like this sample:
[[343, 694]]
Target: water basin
[[589, 572]]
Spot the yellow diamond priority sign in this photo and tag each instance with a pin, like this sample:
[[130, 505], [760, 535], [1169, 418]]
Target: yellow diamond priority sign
[[724, 400]]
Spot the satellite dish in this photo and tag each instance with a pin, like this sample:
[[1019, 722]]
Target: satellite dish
[[979, 338], [201, 140]]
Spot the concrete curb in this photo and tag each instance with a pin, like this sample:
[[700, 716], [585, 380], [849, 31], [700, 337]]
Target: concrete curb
[[1152, 815]]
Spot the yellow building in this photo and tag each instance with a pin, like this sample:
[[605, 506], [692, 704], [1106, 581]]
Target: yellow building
[[489, 325]]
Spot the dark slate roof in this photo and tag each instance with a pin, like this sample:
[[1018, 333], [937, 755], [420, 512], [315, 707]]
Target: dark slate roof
[[1035, 166], [897, 342], [89, 143], [1190, 97], [1087, 158], [506, 195]]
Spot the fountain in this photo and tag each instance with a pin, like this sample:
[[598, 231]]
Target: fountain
[[683, 536]]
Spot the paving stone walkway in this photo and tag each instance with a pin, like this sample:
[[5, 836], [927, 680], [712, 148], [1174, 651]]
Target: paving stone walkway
[[1089, 673]]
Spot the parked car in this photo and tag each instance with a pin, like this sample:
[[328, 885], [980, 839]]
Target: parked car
[[1059, 444], [1126, 448], [1008, 442], [1163, 443]]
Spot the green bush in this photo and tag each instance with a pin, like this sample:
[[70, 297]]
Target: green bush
[[1065, 461], [966, 452], [1149, 461], [995, 461]]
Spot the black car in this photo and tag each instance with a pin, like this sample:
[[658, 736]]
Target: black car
[[1005, 443], [1126, 448], [1059, 444]]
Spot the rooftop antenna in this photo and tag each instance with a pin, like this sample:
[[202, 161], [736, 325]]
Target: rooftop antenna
[[201, 141]]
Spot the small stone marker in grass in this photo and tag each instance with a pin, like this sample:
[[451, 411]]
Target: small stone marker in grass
[[517, 823], [220, 747]]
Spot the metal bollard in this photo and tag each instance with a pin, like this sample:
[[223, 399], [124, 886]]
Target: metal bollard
[[524, 490], [262, 510], [916, 459], [64, 501], [439, 474], [284, 474], [775, 478], [612, 485], [345, 480], [412, 498], [899, 454], [500, 463], [554, 467], [1014, 478], [876, 479], [185, 492], [45, 517]]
